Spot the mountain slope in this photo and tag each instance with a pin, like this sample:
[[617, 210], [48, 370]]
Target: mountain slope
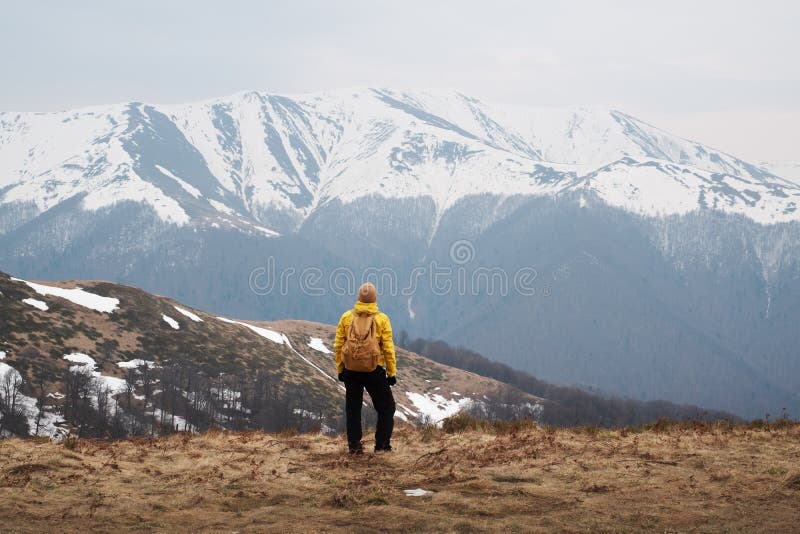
[[82, 348]]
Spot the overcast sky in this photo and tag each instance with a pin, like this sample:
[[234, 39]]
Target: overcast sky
[[724, 73]]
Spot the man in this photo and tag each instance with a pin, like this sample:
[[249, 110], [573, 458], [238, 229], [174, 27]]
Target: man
[[364, 353]]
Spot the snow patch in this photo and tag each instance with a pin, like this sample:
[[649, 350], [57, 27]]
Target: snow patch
[[180, 423], [263, 332], [80, 358], [170, 321], [86, 364], [194, 317], [48, 421], [135, 364], [435, 407], [130, 187], [318, 345], [39, 304], [277, 338], [305, 413], [192, 190], [266, 231], [309, 362], [76, 296], [417, 492], [219, 206]]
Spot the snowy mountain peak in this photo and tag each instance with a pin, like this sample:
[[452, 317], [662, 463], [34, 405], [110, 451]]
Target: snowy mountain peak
[[262, 163]]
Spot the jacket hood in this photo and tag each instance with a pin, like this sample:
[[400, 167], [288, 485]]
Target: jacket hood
[[366, 307]]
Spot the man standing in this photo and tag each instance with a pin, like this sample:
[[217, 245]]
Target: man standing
[[364, 353]]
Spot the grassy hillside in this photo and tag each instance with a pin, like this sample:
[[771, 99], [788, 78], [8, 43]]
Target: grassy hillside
[[496, 478], [207, 371]]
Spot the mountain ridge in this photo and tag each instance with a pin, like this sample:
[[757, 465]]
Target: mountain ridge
[[235, 160]]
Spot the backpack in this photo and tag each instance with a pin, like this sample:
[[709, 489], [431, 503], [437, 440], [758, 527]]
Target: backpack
[[361, 351]]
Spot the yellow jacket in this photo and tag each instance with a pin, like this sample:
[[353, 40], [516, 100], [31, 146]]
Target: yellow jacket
[[383, 331]]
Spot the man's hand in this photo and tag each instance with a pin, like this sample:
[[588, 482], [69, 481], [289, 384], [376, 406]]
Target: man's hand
[[342, 375], [392, 380]]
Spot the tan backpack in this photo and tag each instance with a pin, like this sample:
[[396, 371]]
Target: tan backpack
[[361, 351]]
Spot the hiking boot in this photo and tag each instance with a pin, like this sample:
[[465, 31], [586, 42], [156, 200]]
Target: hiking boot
[[357, 449], [383, 448]]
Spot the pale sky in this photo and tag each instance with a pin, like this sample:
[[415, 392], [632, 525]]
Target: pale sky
[[723, 73]]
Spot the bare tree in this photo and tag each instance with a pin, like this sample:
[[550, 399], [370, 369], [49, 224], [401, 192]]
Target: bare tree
[[13, 418], [41, 398]]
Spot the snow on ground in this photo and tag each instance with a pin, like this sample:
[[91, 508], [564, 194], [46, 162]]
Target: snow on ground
[[194, 317], [113, 384], [263, 332], [2, 355], [277, 338], [38, 304], [189, 188], [418, 492], [219, 206], [134, 188], [80, 358], [133, 364], [309, 362], [532, 410], [47, 422], [86, 364], [170, 321], [266, 231], [317, 344], [232, 399], [77, 296], [305, 413], [435, 407], [408, 411], [180, 423]]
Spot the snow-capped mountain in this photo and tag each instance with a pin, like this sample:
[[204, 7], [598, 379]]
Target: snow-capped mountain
[[663, 268], [264, 162], [789, 170]]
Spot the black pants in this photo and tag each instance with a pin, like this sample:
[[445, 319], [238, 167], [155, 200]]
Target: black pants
[[382, 399]]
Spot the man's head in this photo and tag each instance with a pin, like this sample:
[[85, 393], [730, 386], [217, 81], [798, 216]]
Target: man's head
[[367, 293]]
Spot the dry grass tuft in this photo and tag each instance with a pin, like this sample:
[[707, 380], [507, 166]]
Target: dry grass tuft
[[483, 477], [793, 482]]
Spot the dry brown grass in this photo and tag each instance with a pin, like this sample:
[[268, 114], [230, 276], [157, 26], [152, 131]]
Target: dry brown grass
[[683, 478]]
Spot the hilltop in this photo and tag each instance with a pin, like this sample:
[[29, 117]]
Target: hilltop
[[501, 478]]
